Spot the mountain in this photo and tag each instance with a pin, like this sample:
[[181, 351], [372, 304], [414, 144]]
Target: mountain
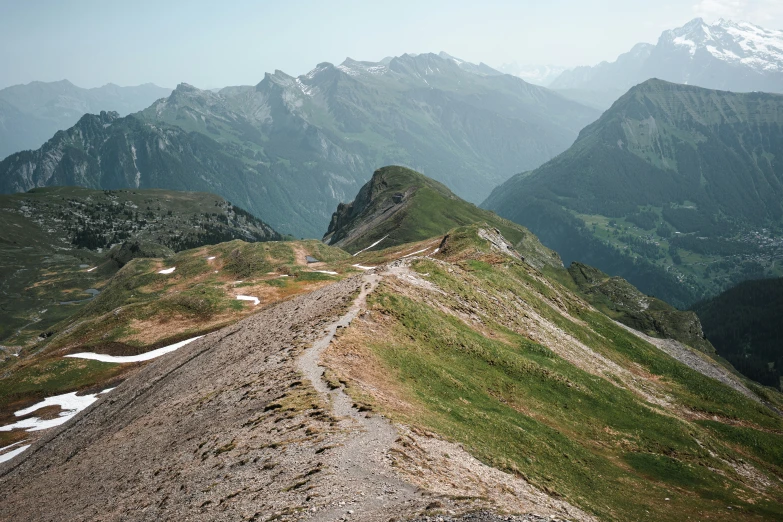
[[481, 69], [108, 152], [52, 236], [399, 206], [451, 377], [30, 114], [326, 129], [290, 149], [675, 188], [732, 56], [744, 326], [542, 75]]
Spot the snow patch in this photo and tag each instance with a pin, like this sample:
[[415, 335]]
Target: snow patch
[[11, 454], [91, 269], [69, 403], [369, 247], [167, 270], [363, 267], [249, 298], [120, 359], [414, 253]]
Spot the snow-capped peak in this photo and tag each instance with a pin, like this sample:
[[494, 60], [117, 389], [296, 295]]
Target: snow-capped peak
[[734, 42]]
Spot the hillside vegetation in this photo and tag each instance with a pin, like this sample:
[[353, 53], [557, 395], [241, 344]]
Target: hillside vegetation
[[448, 373], [399, 205], [58, 242]]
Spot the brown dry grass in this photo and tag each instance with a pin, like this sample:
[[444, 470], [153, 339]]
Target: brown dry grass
[[351, 359]]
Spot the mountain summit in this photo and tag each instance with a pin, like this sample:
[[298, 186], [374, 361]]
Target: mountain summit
[[399, 206], [726, 55]]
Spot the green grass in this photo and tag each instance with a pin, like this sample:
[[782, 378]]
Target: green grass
[[53, 377], [518, 406]]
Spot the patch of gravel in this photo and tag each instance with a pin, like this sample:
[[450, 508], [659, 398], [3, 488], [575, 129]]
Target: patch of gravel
[[700, 362]]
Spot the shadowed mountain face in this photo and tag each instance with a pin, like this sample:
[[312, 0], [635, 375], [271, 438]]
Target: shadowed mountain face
[[726, 55], [676, 188], [302, 145], [743, 323], [30, 114]]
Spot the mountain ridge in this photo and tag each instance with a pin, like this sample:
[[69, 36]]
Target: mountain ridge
[[669, 172], [295, 147], [43, 108]]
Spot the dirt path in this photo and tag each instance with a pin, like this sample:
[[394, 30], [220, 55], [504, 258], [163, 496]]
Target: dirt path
[[362, 466]]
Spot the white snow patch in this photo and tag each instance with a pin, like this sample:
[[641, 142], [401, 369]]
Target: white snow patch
[[363, 267], [167, 270], [684, 42], [325, 272], [249, 298], [11, 454], [414, 253], [133, 358], [210, 258], [69, 403], [369, 247], [91, 269], [12, 445]]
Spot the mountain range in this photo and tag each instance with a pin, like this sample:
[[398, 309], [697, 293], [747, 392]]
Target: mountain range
[[726, 55], [290, 149], [30, 114], [676, 188]]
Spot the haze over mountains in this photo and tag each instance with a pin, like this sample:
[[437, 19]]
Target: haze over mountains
[[726, 55], [600, 349], [30, 114], [295, 147]]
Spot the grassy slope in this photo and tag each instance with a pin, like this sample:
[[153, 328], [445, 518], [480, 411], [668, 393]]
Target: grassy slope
[[42, 265], [516, 404], [431, 210]]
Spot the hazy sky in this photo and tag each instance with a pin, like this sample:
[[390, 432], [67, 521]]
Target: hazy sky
[[224, 42]]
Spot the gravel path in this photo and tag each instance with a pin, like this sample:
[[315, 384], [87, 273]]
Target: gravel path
[[361, 466]]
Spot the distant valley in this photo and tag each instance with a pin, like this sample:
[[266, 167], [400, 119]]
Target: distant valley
[[676, 188]]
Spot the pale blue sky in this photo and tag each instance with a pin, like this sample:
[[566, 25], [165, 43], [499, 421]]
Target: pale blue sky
[[218, 43]]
